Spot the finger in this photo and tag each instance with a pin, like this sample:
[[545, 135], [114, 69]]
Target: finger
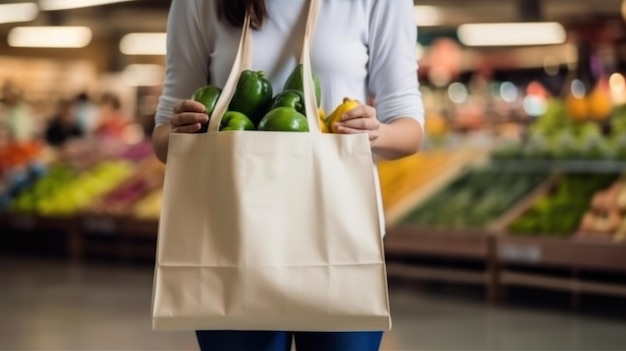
[[362, 111], [189, 106], [361, 123], [185, 118], [373, 135], [190, 128]]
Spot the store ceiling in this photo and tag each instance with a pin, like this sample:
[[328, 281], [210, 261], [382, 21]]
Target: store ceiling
[[151, 15]]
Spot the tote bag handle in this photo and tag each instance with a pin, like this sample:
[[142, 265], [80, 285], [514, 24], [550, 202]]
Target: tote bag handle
[[243, 61]]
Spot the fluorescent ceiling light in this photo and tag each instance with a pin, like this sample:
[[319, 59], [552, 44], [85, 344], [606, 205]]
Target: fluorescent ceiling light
[[20, 12], [511, 34], [143, 44], [427, 15], [50, 37], [52, 5]]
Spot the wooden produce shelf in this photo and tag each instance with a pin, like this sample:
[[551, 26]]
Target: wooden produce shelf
[[408, 239], [441, 274], [576, 286], [66, 228], [125, 237], [31, 222], [478, 246], [526, 261], [86, 235], [575, 253], [144, 228]]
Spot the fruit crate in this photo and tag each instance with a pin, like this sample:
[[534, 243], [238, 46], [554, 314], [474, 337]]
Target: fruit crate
[[556, 208], [408, 182], [467, 244], [529, 259], [473, 201]]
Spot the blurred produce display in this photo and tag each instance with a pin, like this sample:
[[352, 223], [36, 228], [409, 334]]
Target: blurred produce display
[[606, 218], [559, 211], [399, 177], [16, 155], [474, 200], [149, 207], [101, 175], [147, 178], [555, 136], [65, 192]]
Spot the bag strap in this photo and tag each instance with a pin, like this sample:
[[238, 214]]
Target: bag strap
[[307, 71], [243, 61]]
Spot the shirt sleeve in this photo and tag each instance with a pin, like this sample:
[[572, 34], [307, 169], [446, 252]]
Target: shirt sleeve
[[187, 58], [393, 81]]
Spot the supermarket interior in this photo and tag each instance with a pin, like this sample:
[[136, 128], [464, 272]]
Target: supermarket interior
[[507, 231]]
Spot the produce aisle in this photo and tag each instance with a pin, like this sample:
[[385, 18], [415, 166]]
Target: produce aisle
[[93, 197], [527, 215], [521, 180], [462, 214]]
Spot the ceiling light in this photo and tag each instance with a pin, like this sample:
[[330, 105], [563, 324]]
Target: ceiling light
[[143, 44], [511, 34], [50, 37], [427, 15], [52, 5], [20, 12]]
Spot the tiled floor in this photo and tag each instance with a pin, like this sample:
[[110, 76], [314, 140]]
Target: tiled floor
[[51, 305]]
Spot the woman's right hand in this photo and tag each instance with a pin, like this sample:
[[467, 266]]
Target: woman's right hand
[[189, 115]]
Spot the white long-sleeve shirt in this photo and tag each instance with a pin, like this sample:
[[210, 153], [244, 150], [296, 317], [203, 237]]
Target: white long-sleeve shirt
[[361, 49]]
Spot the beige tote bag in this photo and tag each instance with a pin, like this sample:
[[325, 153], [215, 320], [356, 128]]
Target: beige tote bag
[[270, 230]]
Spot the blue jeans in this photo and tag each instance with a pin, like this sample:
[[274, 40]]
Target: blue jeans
[[281, 341]]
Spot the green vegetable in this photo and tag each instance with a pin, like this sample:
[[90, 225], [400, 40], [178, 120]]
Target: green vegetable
[[294, 82], [234, 120], [289, 98], [207, 95], [253, 95], [284, 119]]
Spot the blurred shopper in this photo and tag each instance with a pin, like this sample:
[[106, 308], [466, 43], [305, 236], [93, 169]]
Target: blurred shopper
[[63, 126], [112, 121], [86, 113], [16, 115]]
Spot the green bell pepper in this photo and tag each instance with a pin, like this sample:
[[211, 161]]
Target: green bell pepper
[[207, 95], [234, 120], [289, 98], [253, 95]]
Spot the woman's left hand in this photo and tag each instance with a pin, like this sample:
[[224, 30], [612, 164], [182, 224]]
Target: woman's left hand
[[361, 119]]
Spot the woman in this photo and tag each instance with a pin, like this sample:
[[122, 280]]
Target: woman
[[361, 49]]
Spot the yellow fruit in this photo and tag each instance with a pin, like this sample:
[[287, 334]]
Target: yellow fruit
[[577, 108], [321, 115], [347, 105]]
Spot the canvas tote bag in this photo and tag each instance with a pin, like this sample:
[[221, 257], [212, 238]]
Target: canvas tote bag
[[270, 230]]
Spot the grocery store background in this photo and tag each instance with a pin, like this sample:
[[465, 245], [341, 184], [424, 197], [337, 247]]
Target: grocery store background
[[507, 232]]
